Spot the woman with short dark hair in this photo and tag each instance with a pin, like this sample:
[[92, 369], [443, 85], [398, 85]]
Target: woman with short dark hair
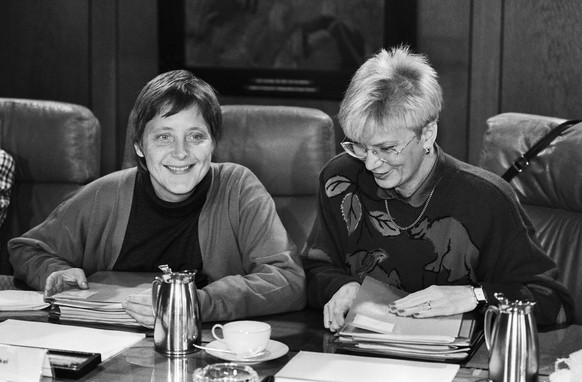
[[176, 208]]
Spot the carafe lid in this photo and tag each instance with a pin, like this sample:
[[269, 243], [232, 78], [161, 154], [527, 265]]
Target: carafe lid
[[185, 276], [514, 306]]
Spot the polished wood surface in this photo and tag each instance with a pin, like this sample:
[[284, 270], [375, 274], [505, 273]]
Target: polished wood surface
[[301, 330]]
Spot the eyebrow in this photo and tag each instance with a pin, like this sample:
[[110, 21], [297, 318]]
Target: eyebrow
[[192, 128], [385, 144]]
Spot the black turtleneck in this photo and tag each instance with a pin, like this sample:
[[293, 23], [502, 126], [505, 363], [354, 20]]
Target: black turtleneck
[[160, 232]]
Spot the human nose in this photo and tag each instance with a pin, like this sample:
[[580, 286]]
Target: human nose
[[372, 160], [181, 148]]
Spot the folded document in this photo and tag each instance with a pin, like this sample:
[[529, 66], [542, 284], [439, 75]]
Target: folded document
[[370, 327]]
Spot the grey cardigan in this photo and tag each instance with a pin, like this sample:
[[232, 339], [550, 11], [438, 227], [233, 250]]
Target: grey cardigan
[[252, 265]]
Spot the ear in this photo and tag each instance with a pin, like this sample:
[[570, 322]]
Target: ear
[[138, 150], [429, 134]]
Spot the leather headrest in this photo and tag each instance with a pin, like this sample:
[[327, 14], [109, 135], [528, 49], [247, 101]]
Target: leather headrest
[[554, 177], [50, 141], [285, 146]]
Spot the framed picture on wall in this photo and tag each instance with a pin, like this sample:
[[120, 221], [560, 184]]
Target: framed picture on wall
[[299, 48]]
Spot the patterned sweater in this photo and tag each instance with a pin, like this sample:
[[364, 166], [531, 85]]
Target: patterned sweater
[[473, 231]]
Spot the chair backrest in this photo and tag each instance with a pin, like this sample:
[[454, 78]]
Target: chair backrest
[[286, 147], [550, 188], [56, 148]]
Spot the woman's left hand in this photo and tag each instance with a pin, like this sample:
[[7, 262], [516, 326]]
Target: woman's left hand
[[436, 300], [139, 307]]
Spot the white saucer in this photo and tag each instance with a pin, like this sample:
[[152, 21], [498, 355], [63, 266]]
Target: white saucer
[[275, 349]]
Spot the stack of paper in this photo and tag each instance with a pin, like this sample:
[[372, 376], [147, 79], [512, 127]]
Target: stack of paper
[[370, 327], [11, 300], [326, 367], [102, 302]]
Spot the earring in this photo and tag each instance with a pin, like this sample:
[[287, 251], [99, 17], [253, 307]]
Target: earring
[[427, 150]]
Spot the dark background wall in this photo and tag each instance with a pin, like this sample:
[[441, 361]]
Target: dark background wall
[[492, 56]]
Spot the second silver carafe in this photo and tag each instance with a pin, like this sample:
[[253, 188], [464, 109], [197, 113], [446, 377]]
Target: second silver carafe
[[511, 337]]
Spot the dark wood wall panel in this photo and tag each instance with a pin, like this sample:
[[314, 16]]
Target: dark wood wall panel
[[542, 57], [137, 57], [443, 35], [44, 50], [484, 94], [104, 97]]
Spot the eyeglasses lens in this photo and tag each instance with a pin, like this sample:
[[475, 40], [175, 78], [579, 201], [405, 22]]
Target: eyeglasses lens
[[358, 150]]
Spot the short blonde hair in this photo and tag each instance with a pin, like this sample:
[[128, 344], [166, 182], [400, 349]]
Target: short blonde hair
[[391, 90]]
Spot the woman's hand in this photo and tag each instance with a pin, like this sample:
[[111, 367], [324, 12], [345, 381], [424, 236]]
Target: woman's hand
[[139, 306], [335, 310], [436, 300], [60, 280]]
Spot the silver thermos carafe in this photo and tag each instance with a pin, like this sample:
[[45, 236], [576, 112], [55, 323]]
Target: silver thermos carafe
[[511, 337], [176, 309]]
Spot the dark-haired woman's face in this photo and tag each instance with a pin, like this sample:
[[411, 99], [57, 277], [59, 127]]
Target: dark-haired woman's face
[[177, 151]]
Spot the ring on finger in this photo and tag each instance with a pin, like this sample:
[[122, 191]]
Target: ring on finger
[[428, 306]]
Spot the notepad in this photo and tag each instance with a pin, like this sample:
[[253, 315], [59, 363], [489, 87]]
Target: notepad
[[328, 367], [65, 337]]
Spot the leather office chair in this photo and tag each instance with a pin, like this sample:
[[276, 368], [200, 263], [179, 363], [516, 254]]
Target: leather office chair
[[550, 188], [56, 147], [285, 147]]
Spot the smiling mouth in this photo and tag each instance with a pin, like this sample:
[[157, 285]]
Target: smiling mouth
[[179, 169], [382, 175]]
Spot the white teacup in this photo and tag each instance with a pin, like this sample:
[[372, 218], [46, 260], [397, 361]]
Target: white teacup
[[244, 337]]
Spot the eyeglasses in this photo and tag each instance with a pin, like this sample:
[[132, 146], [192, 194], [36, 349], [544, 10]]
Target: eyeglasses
[[385, 154]]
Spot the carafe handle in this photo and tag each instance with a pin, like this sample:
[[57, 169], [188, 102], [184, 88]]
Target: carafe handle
[[490, 314], [156, 284]]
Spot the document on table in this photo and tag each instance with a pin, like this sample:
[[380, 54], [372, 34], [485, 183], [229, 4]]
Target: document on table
[[371, 328], [102, 302], [65, 337], [13, 300], [370, 311], [327, 367]]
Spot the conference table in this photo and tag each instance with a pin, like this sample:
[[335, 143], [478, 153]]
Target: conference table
[[301, 330]]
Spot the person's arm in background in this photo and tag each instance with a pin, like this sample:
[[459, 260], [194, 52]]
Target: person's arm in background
[[6, 182]]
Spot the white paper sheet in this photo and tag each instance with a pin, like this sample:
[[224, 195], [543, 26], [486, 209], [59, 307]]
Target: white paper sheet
[[311, 366], [11, 300], [64, 337]]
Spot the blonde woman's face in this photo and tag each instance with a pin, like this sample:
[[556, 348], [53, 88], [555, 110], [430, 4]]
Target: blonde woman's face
[[406, 170], [177, 151]]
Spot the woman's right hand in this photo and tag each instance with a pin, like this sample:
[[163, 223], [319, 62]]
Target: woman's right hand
[[139, 307], [61, 280], [334, 312]]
